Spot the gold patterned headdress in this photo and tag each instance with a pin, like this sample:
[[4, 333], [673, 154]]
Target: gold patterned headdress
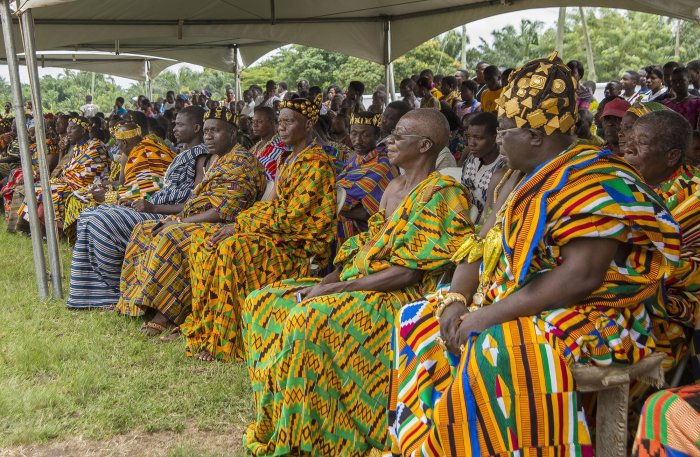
[[223, 114], [366, 118], [80, 122], [304, 106], [120, 134], [641, 109], [541, 94]]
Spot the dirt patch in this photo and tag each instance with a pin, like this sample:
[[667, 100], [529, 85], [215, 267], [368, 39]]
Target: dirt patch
[[189, 442]]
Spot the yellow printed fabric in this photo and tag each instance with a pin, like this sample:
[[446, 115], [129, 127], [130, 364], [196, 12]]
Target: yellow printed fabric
[[511, 393], [156, 273], [274, 240], [143, 175], [673, 326], [320, 368], [89, 160]]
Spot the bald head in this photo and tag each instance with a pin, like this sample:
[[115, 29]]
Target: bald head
[[429, 123]]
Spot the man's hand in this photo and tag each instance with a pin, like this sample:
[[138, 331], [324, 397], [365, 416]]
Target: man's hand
[[143, 206], [450, 321], [221, 234], [99, 194]]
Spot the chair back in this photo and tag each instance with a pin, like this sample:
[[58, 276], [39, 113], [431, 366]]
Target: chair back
[[341, 195], [269, 191], [455, 172]]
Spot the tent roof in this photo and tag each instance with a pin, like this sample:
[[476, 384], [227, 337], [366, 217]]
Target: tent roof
[[355, 28], [125, 65]]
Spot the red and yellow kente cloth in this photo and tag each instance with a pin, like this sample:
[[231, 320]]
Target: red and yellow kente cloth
[[89, 160], [143, 174], [155, 272], [274, 240], [511, 392], [674, 324]]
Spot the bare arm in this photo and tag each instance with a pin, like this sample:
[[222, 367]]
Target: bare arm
[[393, 278]]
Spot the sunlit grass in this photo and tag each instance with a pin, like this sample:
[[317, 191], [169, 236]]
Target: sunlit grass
[[91, 374]]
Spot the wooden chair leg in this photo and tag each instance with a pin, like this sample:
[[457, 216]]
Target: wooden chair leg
[[611, 422]]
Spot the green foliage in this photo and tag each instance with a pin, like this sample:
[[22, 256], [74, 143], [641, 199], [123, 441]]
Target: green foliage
[[91, 375]]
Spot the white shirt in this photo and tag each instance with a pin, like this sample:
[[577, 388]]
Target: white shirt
[[248, 109], [90, 110]]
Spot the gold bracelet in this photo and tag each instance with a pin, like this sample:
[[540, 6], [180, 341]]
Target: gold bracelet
[[448, 299], [111, 197]]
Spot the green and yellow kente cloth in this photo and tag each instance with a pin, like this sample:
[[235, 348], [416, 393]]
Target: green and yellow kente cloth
[[320, 368]]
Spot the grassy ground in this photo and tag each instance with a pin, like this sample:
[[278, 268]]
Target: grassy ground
[[87, 383]]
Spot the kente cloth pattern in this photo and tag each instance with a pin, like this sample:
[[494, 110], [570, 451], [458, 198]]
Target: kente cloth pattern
[[268, 154], [143, 175], [274, 240], [104, 232], [156, 272], [364, 179], [477, 178], [320, 368], [16, 177], [673, 327], [670, 424], [89, 160], [340, 154], [511, 393]]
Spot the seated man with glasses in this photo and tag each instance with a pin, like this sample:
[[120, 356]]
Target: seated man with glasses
[[318, 351], [560, 278]]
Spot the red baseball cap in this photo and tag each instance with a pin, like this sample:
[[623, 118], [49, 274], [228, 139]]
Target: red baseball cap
[[616, 107]]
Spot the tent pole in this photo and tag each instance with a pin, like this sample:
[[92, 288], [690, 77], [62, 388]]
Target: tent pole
[[27, 21], [25, 155], [236, 72], [149, 84], [388, 64]]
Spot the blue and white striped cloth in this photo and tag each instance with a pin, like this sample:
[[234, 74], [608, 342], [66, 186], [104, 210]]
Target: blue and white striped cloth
[[103, 234]]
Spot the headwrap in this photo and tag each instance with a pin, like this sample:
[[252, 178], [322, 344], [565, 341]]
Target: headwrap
[[80, 122], [366, 118], [304, 106], [641, 109], [223, 114], [541, 94], [126, 134]]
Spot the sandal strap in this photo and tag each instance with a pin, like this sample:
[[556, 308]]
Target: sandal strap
[[156, 326]]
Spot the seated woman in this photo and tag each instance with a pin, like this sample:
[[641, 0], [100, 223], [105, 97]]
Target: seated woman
[[365, 177], [318, 352], [560, 279], [143, 163], [155, 276], [272, 240], [103, 232], [88, 161]]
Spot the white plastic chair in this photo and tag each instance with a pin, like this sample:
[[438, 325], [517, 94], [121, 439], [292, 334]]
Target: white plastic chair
[[455, 172], [340, 195]]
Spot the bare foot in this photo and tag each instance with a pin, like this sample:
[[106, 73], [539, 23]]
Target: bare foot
[[205, 356]]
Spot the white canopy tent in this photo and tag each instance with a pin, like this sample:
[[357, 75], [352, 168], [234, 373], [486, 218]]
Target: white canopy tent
[[357, 28], [132, 66]]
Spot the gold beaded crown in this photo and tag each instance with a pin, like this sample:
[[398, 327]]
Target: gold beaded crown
[[366, 118], [541, 94], [304, 106], [119, 134], [80, 122], [223, 114]]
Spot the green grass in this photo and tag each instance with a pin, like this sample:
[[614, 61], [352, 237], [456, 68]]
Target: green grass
[[91, 374]]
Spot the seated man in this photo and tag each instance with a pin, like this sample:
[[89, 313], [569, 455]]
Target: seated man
[[271, 241], [103, 232], [155, 275], [657, 148], [318, 352], [366, 176], [576, 249], [485, 166], [143, 163], [89, 161]]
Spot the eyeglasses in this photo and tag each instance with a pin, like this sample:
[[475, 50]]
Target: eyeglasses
[[501, 132], [402, 136]]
